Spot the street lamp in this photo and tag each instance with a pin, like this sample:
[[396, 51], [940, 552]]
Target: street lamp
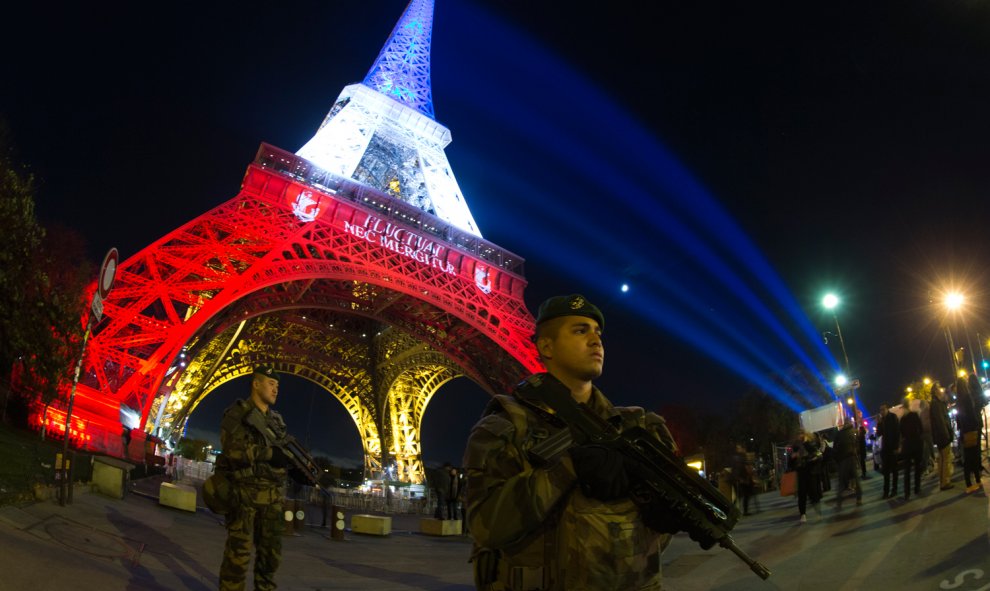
[[953, 303], [831, 301]]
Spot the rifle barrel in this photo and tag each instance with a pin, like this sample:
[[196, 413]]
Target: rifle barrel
[[762, 571]]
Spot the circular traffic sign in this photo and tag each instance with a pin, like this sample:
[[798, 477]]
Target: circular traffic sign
[[107, 273]]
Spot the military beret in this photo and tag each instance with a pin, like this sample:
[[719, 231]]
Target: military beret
[[267, 371], [570, 305]]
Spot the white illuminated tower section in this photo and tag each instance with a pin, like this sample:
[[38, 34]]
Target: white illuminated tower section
[[382, 132]]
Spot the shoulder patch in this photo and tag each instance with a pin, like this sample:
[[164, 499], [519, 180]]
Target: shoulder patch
[[234, 413]]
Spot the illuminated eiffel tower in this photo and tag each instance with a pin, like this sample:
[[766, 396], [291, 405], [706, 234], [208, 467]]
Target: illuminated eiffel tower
[[355, 264]]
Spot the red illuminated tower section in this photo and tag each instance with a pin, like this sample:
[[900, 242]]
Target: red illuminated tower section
[[368, 291]]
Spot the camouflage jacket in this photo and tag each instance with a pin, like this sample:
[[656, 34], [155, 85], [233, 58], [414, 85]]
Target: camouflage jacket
[[247, 451], [532, 526]]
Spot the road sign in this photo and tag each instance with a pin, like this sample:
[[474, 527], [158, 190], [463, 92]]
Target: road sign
[[108, 270], [851, 385], [97, 307]]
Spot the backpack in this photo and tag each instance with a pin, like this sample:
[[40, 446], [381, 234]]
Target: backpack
[[218, 492]]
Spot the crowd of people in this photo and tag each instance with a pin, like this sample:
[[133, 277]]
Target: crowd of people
[[916, 440]]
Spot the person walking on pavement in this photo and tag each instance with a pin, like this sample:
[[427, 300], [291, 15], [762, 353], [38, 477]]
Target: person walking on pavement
[[125, 437], [941, 435], [441, 487], [258, 469], [564, 522], [845, 456], [806, 458], [927, 444], [861, 449], [911, 438], [967, 417], [743, 476], [453, 494], [889, 431]]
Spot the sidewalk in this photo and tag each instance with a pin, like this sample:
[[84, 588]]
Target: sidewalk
[[135, 544]]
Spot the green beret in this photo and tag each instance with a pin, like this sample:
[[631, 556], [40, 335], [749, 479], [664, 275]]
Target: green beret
[[571, 305], [267, 371]]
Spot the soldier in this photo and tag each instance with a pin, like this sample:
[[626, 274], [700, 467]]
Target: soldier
[[569, 523], [257, 468]]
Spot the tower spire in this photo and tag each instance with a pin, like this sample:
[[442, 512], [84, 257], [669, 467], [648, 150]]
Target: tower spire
[[402, 70], [382, 132]]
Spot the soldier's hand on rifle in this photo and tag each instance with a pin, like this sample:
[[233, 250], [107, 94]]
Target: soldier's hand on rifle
[[279, 458], [600, 472], [662, 520]]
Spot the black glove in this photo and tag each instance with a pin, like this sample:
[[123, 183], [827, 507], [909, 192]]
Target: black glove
[[279, 458], [661, 519], [600, 472]]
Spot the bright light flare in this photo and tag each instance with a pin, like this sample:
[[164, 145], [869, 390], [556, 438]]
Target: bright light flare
[[830, 301], [841, 380], [954, 300]]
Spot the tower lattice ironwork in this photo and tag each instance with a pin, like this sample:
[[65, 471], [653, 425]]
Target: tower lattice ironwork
[[367, 282]]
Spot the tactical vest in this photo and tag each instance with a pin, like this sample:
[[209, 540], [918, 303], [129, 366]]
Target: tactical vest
[[259, 479]]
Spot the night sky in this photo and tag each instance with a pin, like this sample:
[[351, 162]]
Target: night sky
[[847, 144]]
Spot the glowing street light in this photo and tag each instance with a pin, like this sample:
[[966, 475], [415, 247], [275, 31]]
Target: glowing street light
[[841, 380], [831, 302]]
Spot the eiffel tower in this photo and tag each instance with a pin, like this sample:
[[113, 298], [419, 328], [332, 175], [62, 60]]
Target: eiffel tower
[[354, 263]]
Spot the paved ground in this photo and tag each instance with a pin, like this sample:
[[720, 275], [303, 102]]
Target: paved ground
[[938, 540]]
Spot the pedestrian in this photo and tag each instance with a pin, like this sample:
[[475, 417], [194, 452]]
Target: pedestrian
[[566, 522], [927, 445], [941, 435], [743, 476], [125, 441], [825, 466], [441, 486], [912, 436], [845, 457], [257, 466], [889, 434], [967, 417], [453, 493], [861, 448], [806, 458]]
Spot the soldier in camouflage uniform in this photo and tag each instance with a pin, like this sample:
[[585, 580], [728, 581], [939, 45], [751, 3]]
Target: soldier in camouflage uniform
[[258, 471], [567, 524]]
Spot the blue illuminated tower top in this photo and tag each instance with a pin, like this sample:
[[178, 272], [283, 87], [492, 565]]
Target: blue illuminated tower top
[[402, 70], [382, 132]]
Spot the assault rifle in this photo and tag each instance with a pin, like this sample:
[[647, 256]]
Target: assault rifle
[[671, 496], [302, 464]]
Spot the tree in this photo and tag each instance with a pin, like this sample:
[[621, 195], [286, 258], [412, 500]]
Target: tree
[[43, 278], [192, 449], [761, 420], [22, 238]]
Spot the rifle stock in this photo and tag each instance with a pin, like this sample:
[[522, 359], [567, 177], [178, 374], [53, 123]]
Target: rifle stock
[[663, 486]]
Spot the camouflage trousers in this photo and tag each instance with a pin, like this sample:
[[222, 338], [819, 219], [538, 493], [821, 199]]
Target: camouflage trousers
[[260, 526]]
